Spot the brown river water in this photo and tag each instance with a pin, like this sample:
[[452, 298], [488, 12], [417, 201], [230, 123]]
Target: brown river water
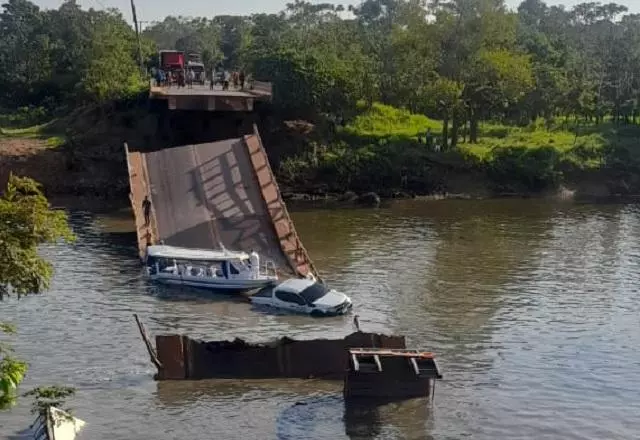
[[531, 306]]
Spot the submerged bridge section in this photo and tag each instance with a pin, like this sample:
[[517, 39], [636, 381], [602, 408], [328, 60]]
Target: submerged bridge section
[[213, 195]]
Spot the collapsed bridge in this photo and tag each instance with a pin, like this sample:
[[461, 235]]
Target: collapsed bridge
[[212, 195]]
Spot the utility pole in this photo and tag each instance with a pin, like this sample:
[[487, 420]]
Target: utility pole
[[135, 22]]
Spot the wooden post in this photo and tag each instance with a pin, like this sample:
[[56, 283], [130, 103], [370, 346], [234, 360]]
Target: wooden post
[[152, 353]]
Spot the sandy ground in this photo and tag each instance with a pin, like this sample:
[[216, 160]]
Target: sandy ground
[[34, 158], [29, 157], [19, 147]]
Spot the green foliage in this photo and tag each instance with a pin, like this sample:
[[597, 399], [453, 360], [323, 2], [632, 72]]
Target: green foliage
[[12, 370], [306, 86], [23, 117], [521, 168], [198, 35], [112, 72], [45, 132], [383, 121], [28, 221], [368, 167], [47, 397], [380, 145], [51, 58], [490, 83]]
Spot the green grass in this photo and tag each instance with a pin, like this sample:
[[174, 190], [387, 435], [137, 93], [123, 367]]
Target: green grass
[[383, 121], [42, 132], [581, 146]]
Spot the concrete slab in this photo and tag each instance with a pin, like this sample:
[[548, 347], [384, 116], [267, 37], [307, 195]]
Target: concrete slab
[[213, 195], [200, 90]]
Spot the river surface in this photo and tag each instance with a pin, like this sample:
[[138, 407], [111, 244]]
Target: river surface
[[531, 306]]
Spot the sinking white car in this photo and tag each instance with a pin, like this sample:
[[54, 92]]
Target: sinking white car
[[304, 296]]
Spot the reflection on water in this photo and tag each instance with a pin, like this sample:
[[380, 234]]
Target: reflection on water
[[531, 307]]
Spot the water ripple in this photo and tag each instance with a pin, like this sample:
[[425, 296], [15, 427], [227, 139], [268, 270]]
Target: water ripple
[[532, 308]]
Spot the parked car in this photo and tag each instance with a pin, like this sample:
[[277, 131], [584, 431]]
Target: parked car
[[304, 296]]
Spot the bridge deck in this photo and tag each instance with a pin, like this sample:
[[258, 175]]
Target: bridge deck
[[204, 91], [220, 193], [201, 97]]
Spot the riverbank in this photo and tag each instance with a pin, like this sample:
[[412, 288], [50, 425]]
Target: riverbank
[[383, 151]]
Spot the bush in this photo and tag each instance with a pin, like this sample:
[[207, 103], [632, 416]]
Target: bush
[[386, 122], [520, 168], [24, 117]]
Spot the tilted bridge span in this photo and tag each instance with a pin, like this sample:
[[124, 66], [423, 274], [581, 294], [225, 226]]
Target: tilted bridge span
[[214, 194]]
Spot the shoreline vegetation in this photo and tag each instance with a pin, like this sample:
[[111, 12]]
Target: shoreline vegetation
[[466, 99]]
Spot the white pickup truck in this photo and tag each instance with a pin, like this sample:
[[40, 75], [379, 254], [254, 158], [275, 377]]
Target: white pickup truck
[[304, 296]]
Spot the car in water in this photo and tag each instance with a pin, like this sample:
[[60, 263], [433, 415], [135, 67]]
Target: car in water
[[303, 295]]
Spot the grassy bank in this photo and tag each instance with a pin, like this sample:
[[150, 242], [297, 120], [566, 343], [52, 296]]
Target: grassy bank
[[382, 150], [47, 133], [382, 144]]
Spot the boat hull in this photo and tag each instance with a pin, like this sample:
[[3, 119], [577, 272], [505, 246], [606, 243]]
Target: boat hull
[[217, 285]]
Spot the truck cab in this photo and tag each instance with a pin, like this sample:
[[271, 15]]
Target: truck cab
[[198, 69], [171, 61]]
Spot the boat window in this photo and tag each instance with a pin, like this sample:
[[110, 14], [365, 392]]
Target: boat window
[[233, 269], [290, 297], [314, 292]]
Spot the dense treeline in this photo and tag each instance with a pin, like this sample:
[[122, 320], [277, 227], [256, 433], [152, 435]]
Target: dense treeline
[[480, 75], [66, 56], [461, 61]]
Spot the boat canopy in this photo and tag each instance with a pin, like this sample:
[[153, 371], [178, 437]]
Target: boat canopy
[[180, 253]]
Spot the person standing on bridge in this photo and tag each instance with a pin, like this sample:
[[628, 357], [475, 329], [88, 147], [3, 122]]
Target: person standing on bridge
[[227, 77], [241, 77], [234, 77], [146, 208]]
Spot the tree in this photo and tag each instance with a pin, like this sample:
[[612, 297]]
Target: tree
[[27, 222], [112, 72], [234, 38], [199, 35], [23, 51], [480, 54], [12, 371]]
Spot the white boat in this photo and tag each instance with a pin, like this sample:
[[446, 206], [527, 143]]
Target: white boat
[[54, 424], [304, 295], [223, 270]]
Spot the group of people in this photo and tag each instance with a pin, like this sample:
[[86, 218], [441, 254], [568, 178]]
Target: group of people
[[180, 78], [237, 78], [186, 78]]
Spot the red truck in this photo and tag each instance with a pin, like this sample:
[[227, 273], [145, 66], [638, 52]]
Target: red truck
[[171, 60]]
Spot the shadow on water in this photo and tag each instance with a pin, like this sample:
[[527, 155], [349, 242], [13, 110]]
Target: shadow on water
[[186, 392], [365, 419], [26, 434], [406, 419], [192, 294], [312, 405], [112, 235]]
